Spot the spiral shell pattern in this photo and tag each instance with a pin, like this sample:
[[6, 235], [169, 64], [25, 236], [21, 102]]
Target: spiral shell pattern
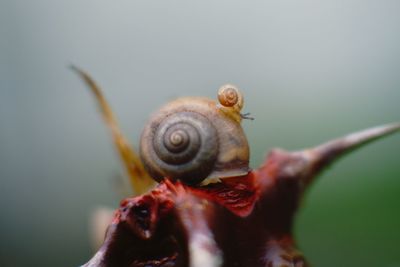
[[229, 96], [182, 146]]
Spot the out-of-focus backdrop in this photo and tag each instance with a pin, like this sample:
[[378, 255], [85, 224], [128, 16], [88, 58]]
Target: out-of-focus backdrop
[[309, 70]]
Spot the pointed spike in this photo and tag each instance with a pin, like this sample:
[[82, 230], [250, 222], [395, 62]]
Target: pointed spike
[[140, 179], [355, 140], [321, 156]]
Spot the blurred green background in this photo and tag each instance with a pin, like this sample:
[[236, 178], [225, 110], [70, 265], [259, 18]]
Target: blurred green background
[[310, 71]]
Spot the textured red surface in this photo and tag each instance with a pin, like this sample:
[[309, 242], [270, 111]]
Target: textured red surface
[[241, 221]]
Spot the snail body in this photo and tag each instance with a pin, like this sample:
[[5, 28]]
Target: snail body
[[195, 140]]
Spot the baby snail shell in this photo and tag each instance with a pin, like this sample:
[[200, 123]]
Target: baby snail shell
[[231, 101], [229, 96], [194, 140]]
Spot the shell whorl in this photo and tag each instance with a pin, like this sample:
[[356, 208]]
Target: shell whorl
[[230, 96], [183, 145]]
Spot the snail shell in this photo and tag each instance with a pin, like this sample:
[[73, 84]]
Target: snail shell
[[229, 96], [193, 140]]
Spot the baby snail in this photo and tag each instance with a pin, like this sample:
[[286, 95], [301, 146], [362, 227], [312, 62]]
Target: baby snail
[[197, 140]]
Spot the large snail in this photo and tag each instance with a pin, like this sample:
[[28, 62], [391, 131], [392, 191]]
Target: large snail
[[209, 209], [197, 140]]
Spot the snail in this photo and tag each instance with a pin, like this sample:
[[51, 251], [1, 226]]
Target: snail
[[197, 140]]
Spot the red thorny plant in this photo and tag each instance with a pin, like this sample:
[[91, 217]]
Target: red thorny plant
[[209, 209]]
